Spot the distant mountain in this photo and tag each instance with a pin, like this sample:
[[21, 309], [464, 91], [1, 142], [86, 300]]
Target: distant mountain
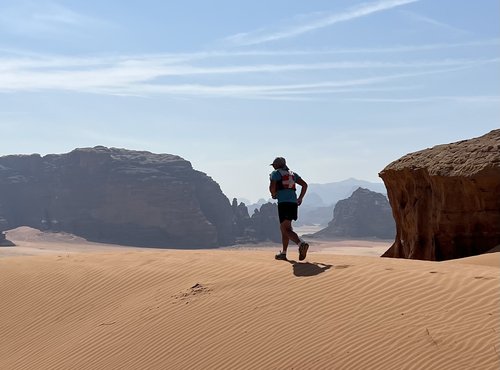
[[310, 215], [321, 195], [254, 206], [117, 196], [320, 199], [364, 214]]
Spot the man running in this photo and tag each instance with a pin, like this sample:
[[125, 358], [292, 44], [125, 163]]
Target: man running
[[282, 188]]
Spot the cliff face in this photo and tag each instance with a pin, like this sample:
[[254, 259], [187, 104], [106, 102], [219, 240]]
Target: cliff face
[[446, 200], [364, 214], [115, 195]]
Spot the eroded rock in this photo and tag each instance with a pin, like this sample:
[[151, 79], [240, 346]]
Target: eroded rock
[[365, 214], [446, 200], [116, 196]]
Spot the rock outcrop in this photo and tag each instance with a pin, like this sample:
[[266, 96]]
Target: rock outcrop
[[262, 226], [4, 242], [365, 214], [446, 200], [116, 196], [266, 223]]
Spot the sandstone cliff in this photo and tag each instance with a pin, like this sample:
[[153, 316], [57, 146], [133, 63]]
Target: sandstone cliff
[[446, 200], [115, 195], [365, 214]]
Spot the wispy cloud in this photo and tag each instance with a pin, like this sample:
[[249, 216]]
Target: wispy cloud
[[266, 35], [142, 75], [29, 59], [435, 23], [409, 48], [432, 99], [226, 73], [278, 90], [371, 50], [39, 19]]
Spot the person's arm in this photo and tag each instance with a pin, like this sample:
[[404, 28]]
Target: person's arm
[[303, 190], [273, 189]]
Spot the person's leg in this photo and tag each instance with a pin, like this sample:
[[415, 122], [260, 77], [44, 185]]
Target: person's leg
[[284, 241], [287, 212], [287, 231]]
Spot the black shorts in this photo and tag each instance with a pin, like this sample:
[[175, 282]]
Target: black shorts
[[287, 211]]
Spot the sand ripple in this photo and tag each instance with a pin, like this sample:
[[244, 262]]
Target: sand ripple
[[244, 310]]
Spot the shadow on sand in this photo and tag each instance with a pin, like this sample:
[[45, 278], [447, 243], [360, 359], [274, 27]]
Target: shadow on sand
[[308, 268]]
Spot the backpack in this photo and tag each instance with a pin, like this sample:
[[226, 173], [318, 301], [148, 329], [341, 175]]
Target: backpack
[[287, 180]]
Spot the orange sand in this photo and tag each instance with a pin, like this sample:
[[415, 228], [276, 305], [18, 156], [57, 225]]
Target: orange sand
[[126, 308]]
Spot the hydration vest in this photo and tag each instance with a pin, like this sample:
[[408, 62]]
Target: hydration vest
[[287, 180]]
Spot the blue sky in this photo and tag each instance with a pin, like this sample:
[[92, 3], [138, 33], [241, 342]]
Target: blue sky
[[339, 88]]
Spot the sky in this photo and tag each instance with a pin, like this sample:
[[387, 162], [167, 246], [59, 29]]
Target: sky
[[339, 88]]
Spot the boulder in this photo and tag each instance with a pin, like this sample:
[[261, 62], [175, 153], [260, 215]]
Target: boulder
[[365, 214], [116, 196], [446, 199]]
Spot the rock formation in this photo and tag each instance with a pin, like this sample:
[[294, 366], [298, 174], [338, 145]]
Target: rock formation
[[241, 218], [331, 193], [365, 214], [117, 196], [446, 200], [4, 242], [266, 222], [262, 226]]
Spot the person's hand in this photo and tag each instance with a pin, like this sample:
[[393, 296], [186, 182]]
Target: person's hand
[[299, 201]]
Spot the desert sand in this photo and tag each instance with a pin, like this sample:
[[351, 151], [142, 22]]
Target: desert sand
[[69, 304]]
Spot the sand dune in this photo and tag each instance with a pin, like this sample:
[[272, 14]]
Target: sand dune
[[487, 259], [240, 309], [33, 242]]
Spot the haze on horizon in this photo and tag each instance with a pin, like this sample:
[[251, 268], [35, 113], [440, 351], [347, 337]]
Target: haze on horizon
[[340, 89]]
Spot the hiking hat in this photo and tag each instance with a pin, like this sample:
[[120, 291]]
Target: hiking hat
[[279, 162]]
